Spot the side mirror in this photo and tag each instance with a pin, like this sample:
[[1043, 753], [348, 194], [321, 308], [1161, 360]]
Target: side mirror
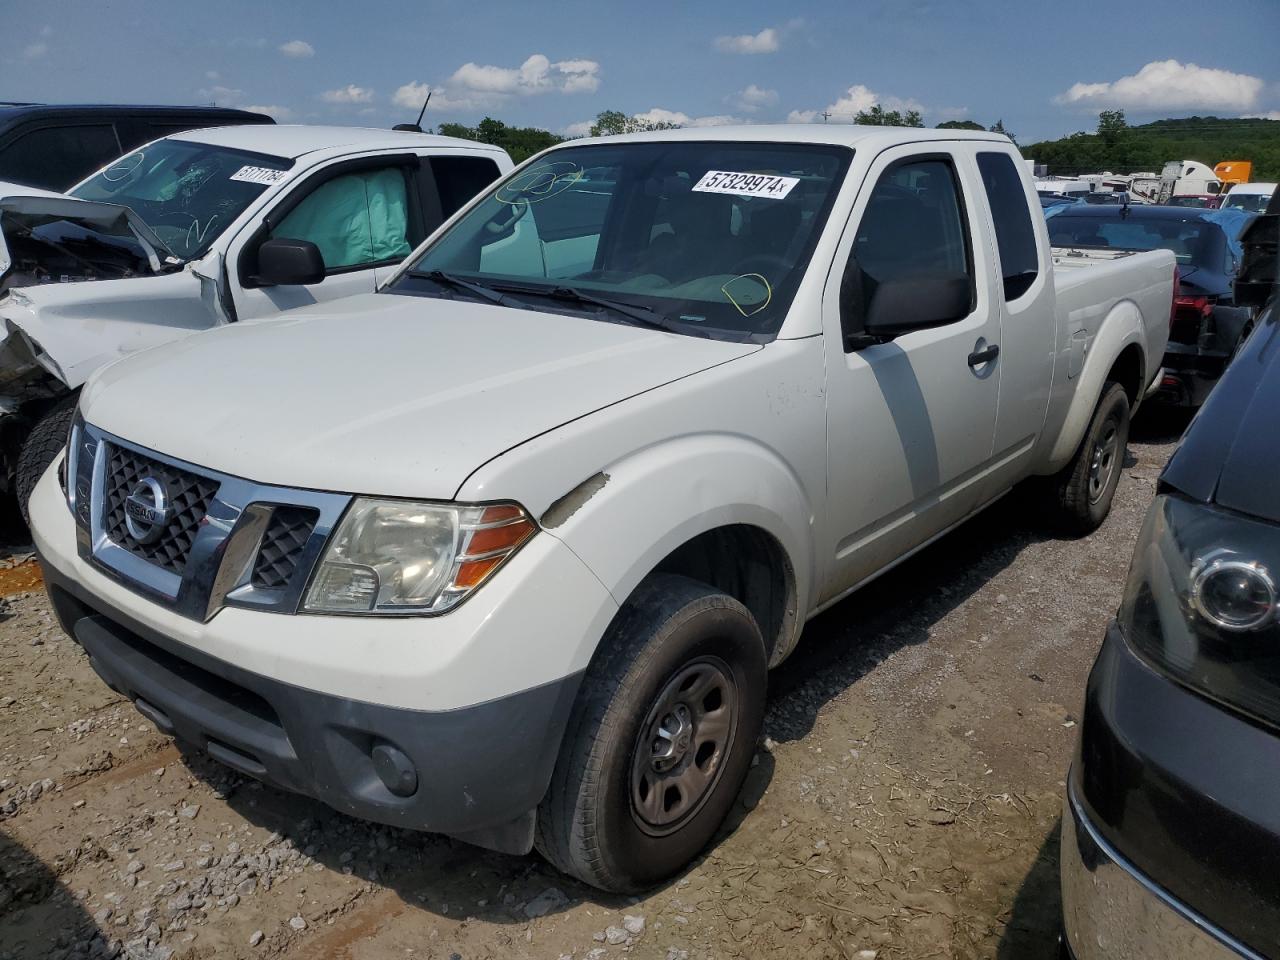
[[917, 303], [286, 262]]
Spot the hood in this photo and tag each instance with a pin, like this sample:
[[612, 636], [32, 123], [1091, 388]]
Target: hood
[[1231, 454], [382, 394], [50, 237]]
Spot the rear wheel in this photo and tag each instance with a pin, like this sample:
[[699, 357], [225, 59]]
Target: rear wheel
[[1085, 488], [41, 447], [660, 740]]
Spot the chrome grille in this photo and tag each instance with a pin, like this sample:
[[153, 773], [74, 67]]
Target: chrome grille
[[282, 545], [189, 497]]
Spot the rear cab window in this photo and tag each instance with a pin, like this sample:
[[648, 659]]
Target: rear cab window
[[1015, 234]]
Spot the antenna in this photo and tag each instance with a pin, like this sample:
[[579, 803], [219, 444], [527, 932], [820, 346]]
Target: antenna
[[415, 127]]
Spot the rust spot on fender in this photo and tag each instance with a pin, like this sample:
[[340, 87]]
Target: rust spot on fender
[[572, 502]]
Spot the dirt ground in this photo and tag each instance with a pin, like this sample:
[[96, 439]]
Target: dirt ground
[[905, 803]]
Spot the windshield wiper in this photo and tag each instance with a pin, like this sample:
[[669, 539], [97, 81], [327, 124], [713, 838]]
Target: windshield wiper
[[458, 283], [641, 315]]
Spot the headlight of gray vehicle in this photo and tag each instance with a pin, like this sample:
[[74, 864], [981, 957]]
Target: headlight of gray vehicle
[[1201, 603], [409, 557]]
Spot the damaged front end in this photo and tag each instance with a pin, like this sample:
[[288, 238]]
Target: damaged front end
[[62, 240]]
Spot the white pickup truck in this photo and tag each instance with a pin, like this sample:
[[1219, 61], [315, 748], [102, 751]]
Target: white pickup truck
[[506, 549], [199, 229]]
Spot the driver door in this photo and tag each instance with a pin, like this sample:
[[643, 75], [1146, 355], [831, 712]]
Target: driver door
[[910, 421], [363, 215]]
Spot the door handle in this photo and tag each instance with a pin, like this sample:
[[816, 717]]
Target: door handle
[[985, 355]]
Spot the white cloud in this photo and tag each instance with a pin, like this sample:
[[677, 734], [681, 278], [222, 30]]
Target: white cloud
[[950, 113], [213, 76], [854, 100], [348, 94], [1169, 85], [580, 129], [766, 41], [659, 115], [412, 94], [536, 75], [752, 98], [1269, 115], [278, 113], [297, 49], [34, 51]]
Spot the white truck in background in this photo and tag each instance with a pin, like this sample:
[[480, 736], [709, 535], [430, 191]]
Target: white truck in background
[[512, 557], [199, 229]]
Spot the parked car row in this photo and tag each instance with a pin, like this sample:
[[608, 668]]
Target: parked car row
[[505, 549]]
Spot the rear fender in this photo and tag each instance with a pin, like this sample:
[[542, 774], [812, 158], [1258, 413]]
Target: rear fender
[[1121, 327]]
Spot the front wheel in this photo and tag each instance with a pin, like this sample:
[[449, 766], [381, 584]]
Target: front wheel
[[660, 740], [41, 448], [1085, 488]]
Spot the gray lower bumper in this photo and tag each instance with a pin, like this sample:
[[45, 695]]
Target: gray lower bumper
[[477, 773], [1113, 912]]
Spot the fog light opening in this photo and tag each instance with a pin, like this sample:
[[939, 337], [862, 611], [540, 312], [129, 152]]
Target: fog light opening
[[395, 769]]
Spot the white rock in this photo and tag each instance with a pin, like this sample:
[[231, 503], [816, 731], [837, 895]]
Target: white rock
[[256, 938], [615, 935], [633, 924], [297, 923]]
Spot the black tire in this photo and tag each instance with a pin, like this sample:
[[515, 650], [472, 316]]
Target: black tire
[[42, 445], [590, 825], [1084, 489]]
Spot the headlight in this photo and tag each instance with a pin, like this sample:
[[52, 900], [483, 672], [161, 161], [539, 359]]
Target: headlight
[[401, 557], [1201, 603]]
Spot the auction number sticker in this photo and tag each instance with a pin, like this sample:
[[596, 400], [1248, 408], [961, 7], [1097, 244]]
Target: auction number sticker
[[259, 175], [746, 184]]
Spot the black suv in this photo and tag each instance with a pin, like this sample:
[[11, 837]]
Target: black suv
[[1171, 833], [56, 146]]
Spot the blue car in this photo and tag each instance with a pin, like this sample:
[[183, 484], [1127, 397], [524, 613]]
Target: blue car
[[1207, 326]]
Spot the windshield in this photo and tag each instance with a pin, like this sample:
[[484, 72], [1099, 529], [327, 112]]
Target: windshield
[[705, 238], [187, 193], [1249, 202], [1195, 242]]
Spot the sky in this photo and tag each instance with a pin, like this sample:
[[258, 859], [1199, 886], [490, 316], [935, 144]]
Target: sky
[[1044, 69]]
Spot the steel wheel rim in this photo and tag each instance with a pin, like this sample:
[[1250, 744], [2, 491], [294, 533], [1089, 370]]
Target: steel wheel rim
[[1102, 462], [683, 745]]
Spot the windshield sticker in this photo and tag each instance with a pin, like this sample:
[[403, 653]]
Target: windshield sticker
[[544, 181], [263, 175], [745, 184], [750, 293]]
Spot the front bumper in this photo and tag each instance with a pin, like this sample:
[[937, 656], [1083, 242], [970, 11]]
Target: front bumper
[[1111, 911], [360, 713]]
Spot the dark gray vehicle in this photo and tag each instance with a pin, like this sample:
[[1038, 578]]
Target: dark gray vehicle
[[53, 146], [1171, 832]]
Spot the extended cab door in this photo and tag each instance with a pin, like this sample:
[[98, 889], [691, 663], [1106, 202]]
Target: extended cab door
[[363, 214], [911, 421]]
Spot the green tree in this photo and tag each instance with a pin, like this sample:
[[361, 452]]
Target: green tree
[[1111, 126], [521, 142], [960, 125], [877, 116], [998, 127], [613, 122]]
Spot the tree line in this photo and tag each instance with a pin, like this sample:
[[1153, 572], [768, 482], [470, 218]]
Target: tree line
[[1114, 145]]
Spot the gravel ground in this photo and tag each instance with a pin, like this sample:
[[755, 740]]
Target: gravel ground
[[905, 803]]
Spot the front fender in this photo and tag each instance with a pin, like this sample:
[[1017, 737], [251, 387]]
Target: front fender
[[644, 506], [1119, 329]]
